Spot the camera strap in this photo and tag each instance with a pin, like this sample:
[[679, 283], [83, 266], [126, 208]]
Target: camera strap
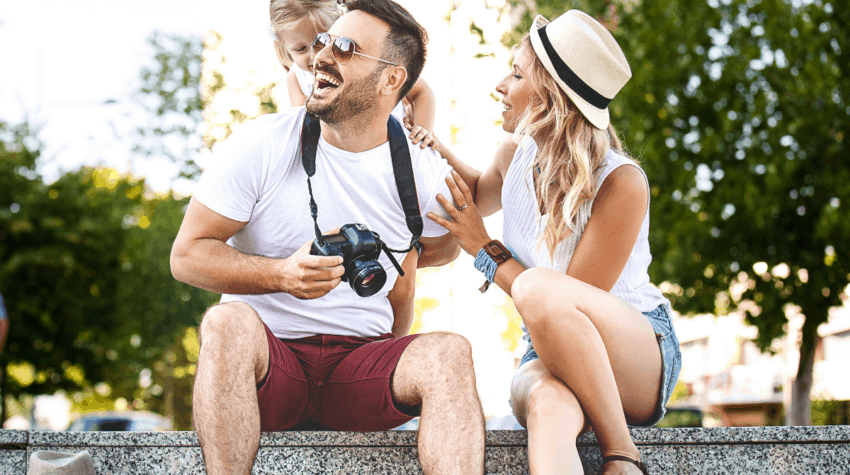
[[402, 170]]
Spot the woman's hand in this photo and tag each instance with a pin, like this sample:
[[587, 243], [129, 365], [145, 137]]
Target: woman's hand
[[467, 225]]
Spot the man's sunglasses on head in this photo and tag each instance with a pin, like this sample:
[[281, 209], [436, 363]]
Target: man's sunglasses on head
[[343, 49]]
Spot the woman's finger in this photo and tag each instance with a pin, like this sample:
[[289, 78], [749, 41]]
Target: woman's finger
[[456, 193], [442, 222], [464, 189], [449, 207]]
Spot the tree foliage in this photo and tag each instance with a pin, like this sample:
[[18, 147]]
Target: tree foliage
[[84, 269], [737, 111]]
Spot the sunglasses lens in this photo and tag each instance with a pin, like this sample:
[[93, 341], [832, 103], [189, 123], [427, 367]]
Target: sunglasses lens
[[319, 42], [343, 49]]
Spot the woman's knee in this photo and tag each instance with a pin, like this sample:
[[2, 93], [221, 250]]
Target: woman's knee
[[537, 394], [529, 295]]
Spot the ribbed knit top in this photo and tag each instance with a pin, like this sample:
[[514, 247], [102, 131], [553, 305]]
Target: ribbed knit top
[[522, 229]]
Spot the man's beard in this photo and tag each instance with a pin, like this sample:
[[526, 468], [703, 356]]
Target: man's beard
[[359, 97]]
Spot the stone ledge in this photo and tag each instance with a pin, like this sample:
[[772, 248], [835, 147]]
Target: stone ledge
[[495, 438], [734, 450]]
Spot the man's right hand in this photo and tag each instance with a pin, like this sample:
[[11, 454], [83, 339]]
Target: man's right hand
[[305, 276]]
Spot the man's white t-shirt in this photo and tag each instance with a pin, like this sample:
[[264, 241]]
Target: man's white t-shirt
[[257, 177]]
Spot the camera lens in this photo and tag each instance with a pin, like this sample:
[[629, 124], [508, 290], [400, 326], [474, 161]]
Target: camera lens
[[367, 277]]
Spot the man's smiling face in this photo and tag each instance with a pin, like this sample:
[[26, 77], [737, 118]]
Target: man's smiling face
[[343, 91]]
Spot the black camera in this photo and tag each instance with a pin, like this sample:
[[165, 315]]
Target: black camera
[[359, 248]]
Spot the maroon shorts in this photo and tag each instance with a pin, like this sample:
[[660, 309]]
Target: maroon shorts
[[332, 382]]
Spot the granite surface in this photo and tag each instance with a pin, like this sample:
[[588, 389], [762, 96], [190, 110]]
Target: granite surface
[[13, 438], [13, 462], [733, 451], [717, 435]]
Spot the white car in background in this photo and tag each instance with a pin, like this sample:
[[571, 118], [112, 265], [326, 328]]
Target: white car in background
[[116, 421]]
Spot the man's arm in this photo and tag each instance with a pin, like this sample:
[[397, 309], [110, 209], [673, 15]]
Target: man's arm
[[201, 257], [438, 251]]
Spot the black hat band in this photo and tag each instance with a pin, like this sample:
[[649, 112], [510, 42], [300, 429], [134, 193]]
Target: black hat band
[[570, 78]]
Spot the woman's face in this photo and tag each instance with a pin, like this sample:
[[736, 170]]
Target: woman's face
[[298, 43], [516, 89]]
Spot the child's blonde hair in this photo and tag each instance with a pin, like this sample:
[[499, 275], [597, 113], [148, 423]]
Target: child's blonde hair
[[286, 14]]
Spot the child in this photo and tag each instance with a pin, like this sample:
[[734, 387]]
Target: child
[[295, 23]]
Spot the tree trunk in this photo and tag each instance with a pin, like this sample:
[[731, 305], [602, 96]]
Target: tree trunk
[[800, 412]]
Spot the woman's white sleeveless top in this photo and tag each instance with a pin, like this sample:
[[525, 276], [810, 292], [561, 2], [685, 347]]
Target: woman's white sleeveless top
[[522, 230], [307, 79]]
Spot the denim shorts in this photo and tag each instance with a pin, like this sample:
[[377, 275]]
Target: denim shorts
[[671, 358]]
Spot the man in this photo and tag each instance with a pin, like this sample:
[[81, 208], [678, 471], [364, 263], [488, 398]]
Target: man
[[289, 347]]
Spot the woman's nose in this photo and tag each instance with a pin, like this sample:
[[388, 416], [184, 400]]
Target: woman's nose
[[501, 88]]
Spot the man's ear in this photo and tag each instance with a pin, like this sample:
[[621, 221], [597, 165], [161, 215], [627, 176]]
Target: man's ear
[[394, 79]]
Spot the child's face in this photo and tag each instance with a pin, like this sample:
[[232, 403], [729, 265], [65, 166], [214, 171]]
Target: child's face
[[298, 41]]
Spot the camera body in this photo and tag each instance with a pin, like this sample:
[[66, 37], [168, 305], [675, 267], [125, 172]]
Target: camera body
[[359, 248]]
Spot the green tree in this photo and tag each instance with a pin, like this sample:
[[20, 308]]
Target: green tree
[[737, 111], [84, 268], [60, 246]]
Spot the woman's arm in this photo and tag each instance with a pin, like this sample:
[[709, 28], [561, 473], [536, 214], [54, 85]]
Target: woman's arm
[[612, 230], [467, 226], [296, 96], [486, 188]]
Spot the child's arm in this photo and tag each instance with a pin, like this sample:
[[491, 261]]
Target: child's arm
[[296, 97], [424, 104]]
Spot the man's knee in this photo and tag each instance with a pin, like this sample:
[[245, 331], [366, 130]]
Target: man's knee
[[447, 355], [234, 321]]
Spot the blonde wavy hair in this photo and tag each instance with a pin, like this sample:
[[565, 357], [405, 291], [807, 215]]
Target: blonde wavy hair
[[570, 152], [286, 14]]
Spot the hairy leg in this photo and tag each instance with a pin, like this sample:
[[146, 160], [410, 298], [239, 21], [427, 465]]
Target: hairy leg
[[234, 357], [436, 371], [545, 406], [603, 349]]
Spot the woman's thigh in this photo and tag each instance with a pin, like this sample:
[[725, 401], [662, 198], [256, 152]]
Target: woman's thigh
[[553, 304]]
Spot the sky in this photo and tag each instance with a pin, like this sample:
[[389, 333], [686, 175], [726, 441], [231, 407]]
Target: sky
[[72, 68], [64, 60]]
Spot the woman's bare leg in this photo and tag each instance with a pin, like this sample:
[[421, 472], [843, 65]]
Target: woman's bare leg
[[553, 416], [603, 349]]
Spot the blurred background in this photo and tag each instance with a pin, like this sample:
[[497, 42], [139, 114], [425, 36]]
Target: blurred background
[[109, 111]]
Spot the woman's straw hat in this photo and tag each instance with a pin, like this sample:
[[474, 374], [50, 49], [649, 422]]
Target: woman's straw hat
[[584, 59]]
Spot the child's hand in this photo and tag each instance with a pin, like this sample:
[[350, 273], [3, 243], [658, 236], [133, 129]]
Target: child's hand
[[421, 134]]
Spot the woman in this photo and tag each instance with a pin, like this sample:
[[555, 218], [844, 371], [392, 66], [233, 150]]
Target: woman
[[602, 352]]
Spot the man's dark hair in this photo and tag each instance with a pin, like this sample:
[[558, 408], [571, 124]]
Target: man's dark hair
[[406, 41]]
